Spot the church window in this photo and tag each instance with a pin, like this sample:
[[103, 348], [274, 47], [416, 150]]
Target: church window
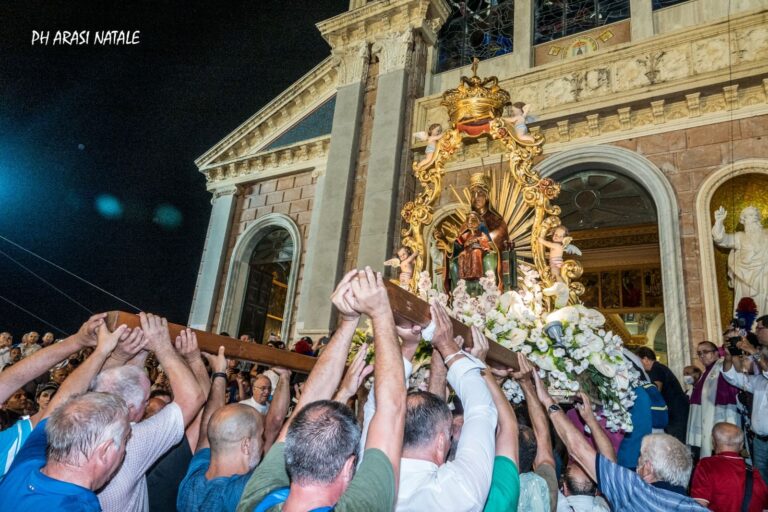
[[554, 19], [475, 28], [266, 294], [660, 4]]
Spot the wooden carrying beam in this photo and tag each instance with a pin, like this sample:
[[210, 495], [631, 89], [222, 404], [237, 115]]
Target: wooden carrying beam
[[404, 305], [409, 307], [233, 348]]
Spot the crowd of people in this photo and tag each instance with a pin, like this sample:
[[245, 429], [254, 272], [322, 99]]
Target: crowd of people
[[132, 420]]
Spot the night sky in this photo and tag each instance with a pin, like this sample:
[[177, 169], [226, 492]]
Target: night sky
[[97, 143]]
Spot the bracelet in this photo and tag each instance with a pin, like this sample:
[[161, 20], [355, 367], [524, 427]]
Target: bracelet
[[218, 374], [757, 356], [448, 359]]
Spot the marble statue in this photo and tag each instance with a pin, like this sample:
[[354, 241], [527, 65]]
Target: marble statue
[[748, 259]]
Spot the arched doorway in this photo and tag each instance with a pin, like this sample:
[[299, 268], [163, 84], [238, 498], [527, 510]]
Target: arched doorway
[[261, 283], [617, 161]]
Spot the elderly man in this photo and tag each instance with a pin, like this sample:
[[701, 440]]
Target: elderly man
[[151, 438], [758, 386], [69, 456], [313, 463], [719, 481], [261, 388], [427, 480], [663, 468]]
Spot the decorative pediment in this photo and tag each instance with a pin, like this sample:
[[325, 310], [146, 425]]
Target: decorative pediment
[[279, 119]]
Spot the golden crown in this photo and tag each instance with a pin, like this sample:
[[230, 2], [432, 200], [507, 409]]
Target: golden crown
[[475, 99], [480, 180]]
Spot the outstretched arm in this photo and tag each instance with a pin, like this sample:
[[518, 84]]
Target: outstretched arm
[[78, 380], [326, 374], [278, 409], [186, 391], [548, 244], [602, 442], [386, 429], [216, 397], [41, 361], [544, 454]]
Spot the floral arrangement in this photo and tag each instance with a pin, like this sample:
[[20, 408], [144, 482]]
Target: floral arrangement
[[583, 357]]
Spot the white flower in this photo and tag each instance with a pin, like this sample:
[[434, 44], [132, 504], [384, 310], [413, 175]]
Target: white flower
[[566, 315], [603, 366]]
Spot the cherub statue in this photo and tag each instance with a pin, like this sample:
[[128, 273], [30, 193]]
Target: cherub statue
[[520, 119], [560, 244], [431, 136], [403, 261]]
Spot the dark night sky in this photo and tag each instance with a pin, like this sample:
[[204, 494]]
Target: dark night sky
[[82, 122]]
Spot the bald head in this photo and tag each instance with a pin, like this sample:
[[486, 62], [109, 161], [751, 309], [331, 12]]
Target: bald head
[[728, 437], [232, 424]]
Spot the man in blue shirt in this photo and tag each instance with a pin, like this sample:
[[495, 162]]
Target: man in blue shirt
[[663, 468], [85, 443]]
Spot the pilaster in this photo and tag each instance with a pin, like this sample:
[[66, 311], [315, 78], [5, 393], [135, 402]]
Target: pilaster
[[212, 262], [641, 19], [523, 36]]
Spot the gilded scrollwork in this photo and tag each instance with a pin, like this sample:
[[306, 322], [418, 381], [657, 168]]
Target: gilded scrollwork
[[476, 109]]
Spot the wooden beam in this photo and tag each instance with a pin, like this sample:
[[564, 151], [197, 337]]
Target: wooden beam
[[233, 348], [404, 305], [410, 307]]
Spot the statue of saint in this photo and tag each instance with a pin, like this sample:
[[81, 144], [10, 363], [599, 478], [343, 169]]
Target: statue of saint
[[471, 249], [748, 259], [479, 188]]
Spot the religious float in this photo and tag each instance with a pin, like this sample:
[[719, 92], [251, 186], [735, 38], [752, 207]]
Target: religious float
[[498, 261]]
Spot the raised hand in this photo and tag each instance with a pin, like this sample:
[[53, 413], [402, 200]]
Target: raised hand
[[355, 376], [218, 362], [480, 344], [186, 345], [369, 294], [283, 373], [87, 334], [541, 391], [525, 370], [442, 339], [129, 346], [341, 297], [585, 409], [156, 330], [107, 341], [720, 214]]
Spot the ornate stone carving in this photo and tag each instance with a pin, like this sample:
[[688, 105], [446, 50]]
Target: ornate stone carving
[[394, 50], [731, 94], [352, 62], [593, 122], [657, 108], [694, 107], [562, 130], [625, 117]]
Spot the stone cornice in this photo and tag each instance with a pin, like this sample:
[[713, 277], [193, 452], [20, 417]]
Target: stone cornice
[[306, 155], [275, 117], [634, 73], [382, 17], [627, 122]]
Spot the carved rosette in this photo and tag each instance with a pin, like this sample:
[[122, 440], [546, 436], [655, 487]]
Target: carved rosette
[[537, 192]]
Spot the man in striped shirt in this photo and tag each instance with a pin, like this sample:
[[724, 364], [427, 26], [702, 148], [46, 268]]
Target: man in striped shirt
[[663, 468]]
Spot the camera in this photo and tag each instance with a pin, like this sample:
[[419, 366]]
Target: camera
[[738, 325], [732, 348]]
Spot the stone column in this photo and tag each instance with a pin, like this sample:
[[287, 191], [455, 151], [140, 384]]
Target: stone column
[[212, 262], [327, 234], [641, 19], [522, 50], [379, 218]]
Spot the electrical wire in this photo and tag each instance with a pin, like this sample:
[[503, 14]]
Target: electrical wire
[[46, 282], [62, 331], [70, 273]]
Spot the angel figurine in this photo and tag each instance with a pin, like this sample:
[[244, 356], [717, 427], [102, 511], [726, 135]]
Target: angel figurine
[[560, 244], [431, 136], [403, 261], [520, 119]]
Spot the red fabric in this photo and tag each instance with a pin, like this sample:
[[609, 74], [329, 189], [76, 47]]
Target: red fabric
[[303, 347], [720, 479]]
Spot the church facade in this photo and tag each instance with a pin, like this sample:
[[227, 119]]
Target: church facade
[[654, 113]]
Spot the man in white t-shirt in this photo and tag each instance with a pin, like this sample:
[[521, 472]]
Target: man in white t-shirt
[[261, 388]]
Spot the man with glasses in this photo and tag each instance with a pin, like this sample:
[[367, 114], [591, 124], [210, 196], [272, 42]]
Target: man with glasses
[[671, 390], [713, 400], [261, 388]]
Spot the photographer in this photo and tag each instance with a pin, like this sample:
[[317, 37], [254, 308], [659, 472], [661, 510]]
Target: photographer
[[758, 386]]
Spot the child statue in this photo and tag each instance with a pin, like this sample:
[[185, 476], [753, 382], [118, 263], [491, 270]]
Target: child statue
[[560, 244], [519, 120], [403, 261], [431, 136]]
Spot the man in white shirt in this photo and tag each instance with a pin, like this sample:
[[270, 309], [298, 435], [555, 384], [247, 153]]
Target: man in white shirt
[[261, 388], [427, 481], [758, 386]]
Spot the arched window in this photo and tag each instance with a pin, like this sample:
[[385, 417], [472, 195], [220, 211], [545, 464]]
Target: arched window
[[554, 19], [475, 28]]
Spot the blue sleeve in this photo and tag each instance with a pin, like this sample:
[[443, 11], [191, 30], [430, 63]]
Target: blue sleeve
[[35, 446], [617, 484], [202, 459]]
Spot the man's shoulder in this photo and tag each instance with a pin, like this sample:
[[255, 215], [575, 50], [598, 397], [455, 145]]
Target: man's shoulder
[[168, 417]]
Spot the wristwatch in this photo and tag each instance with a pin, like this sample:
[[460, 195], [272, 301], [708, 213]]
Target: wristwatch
[[757, 356], [553, 409]]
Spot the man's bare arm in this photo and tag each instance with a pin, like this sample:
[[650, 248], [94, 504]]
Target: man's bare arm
[[14, 377], [278, 409]]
